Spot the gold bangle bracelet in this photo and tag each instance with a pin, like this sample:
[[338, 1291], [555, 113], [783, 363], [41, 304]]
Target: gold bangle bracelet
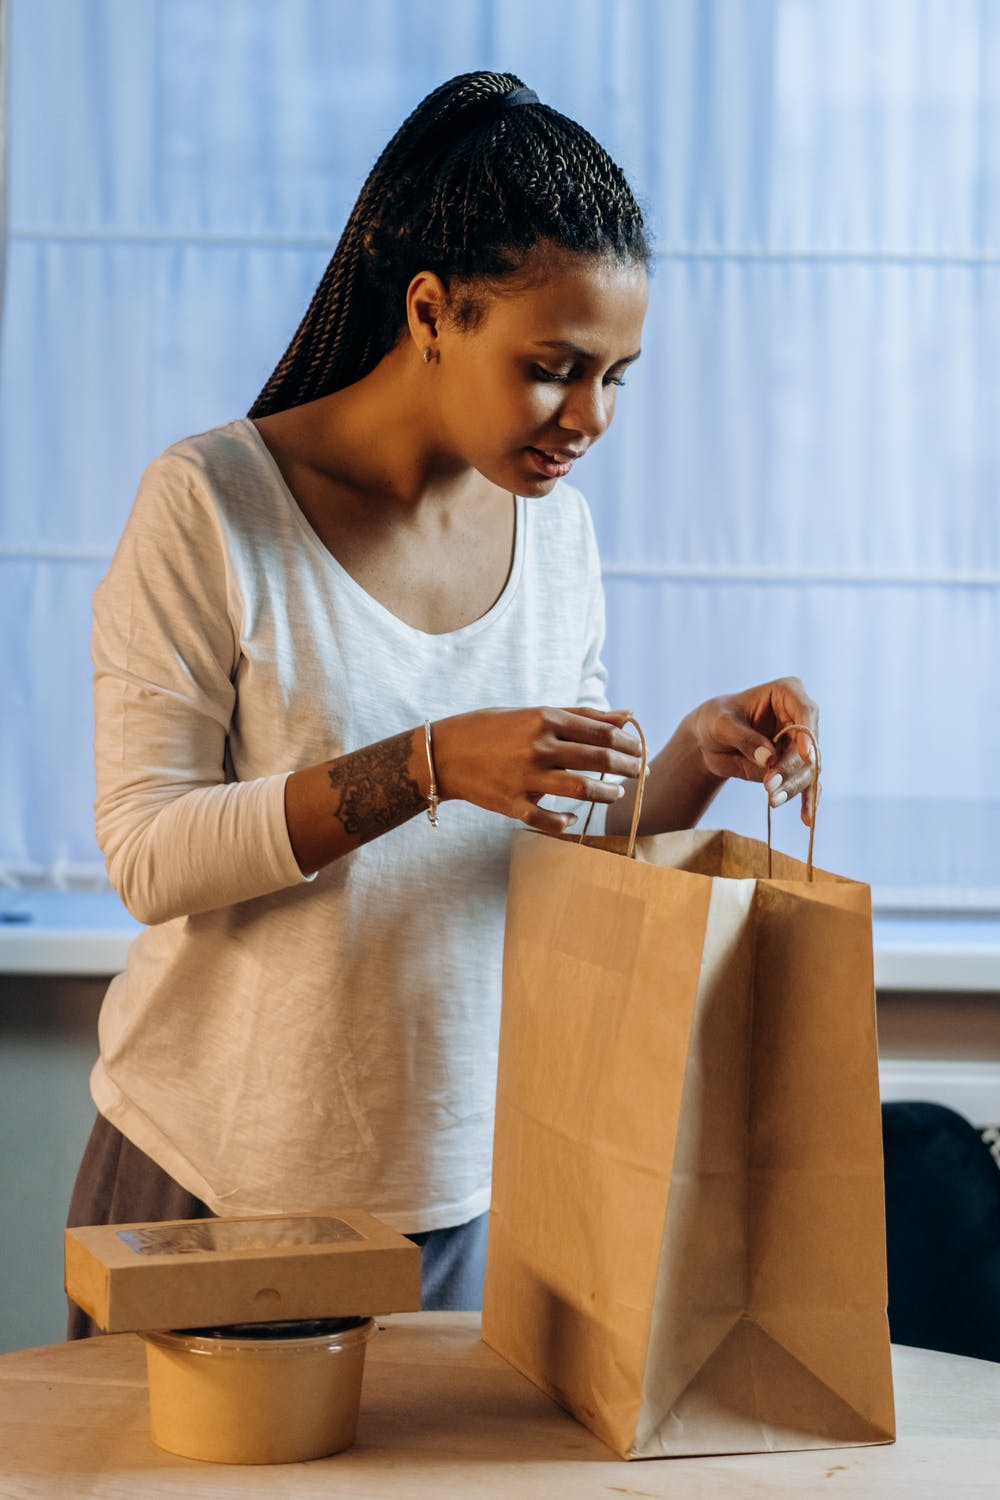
[[433, 800]]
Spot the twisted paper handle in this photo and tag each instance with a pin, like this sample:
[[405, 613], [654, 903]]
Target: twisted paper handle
[[798, 729], [640, 789]]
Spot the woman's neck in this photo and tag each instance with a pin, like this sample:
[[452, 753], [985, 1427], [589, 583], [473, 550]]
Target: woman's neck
[[379, 439]]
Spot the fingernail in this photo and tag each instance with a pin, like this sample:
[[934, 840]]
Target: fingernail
[[778, 798], [621, 791], [762, 755], [772, 783]]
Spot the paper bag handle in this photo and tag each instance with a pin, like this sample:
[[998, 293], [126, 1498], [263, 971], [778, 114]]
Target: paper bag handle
[[637, 809], [799, 729]]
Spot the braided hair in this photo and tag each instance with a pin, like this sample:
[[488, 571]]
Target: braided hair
[[465, 188]]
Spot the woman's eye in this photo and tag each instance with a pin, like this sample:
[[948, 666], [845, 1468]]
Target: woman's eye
[[541, 373], [564, 377]]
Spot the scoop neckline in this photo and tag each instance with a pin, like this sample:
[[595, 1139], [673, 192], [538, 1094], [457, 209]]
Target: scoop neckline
[[316, 544]]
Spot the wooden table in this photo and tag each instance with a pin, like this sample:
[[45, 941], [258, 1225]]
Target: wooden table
[[443, 1416]]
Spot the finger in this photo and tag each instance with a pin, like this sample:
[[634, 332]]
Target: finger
[[805, 748], [802, 746], [793, 705], [798, 763], [586, 726], [734, 732], [576, 758], [788, 779], [543, 819], [579, 788], [617, 716], [590, 745], [790, 767], [810, 801]]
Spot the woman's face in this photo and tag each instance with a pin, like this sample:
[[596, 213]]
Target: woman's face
[[532, 385]]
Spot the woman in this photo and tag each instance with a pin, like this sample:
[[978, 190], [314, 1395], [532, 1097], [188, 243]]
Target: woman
[[374, 598]]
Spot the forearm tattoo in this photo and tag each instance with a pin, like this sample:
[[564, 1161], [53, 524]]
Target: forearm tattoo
[[376, 789]]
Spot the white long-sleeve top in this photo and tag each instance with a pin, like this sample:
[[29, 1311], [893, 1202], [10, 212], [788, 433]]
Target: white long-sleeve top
[[278, 1043]]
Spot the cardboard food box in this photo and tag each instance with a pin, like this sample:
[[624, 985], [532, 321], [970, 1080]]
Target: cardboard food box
[[190, 1273]]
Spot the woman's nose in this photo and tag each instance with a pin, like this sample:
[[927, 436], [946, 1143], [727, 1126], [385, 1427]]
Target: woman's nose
[[587, 410]]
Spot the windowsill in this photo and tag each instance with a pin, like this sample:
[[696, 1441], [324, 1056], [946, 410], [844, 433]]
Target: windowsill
[[88, 933], [936, 952], [64, 932]]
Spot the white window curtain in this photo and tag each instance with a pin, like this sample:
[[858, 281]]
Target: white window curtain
[[805, 468], [3, 149]]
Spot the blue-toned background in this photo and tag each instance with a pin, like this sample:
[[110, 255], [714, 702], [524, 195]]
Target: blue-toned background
[[805, 469]]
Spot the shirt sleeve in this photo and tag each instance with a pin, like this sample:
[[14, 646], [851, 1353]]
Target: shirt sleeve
[[179, 835]]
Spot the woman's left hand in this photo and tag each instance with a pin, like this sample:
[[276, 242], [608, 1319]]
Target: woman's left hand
[[735, 733]]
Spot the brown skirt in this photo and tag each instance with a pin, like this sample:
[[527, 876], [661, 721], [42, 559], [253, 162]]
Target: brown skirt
[[119, 1184]]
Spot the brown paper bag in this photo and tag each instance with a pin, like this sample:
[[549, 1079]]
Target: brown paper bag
[[687, 1241]]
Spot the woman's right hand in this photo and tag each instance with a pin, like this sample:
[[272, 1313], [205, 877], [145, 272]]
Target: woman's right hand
[[506, 759]]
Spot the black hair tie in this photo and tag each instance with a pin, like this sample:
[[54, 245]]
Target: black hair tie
[[519, 96]]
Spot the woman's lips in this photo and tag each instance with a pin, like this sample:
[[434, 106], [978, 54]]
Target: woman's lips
[[552, 465]]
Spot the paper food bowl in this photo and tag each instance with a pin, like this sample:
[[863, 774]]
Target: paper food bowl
[[262, 1393]]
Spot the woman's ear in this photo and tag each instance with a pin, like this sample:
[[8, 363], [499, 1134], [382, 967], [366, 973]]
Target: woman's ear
[[426, 302]]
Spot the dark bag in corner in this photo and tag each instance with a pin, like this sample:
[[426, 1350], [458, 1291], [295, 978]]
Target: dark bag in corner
[[942, 1207], [687, 1236]]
